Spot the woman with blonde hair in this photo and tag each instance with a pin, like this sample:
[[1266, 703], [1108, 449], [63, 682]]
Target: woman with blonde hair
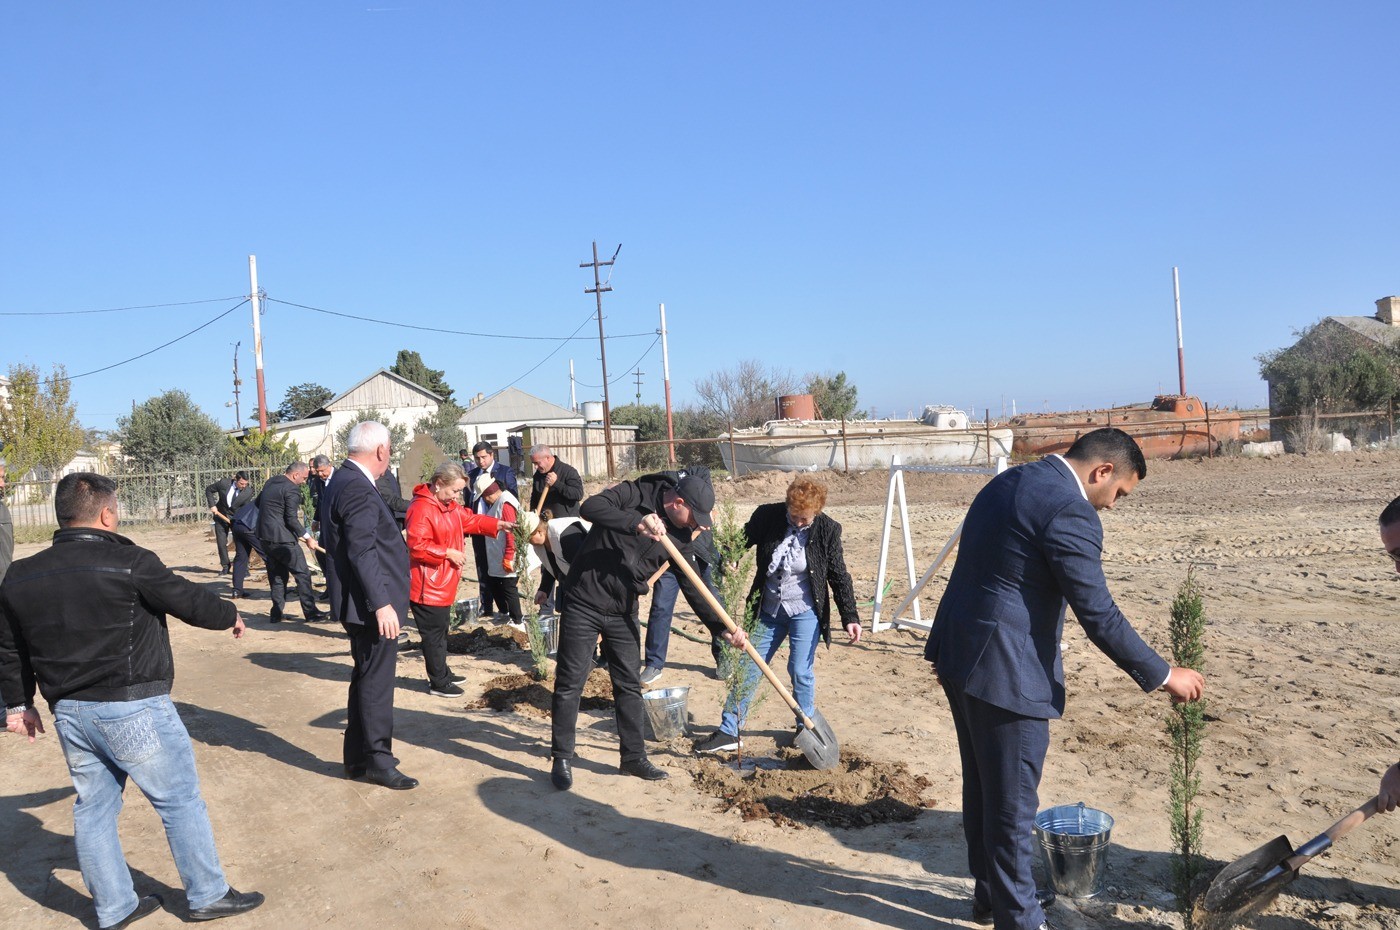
[[799, 559]]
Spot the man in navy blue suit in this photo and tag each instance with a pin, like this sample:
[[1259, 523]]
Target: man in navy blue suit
[[1031, 544], [367, 580]]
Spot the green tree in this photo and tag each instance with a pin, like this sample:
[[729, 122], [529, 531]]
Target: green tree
[[836, 398], [1328, 369], [442, 426], [38, 423], [409, 364], [300, 402], [398, 436], [1186, 726], [168, 430], [257, 449], [650, 420]]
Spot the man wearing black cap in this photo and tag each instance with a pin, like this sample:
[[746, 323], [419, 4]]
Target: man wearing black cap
[[611, 570]]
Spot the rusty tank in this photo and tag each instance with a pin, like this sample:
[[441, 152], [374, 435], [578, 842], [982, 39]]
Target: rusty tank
[[1172, 426]]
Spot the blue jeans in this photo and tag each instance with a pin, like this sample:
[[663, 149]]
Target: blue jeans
[[803, 632], [663, 605], [106, 741]]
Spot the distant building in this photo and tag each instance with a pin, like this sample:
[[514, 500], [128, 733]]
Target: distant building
[[402, 403], [1334, 337], [494, 419]]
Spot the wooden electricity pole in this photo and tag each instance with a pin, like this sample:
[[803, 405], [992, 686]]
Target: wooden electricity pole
[[598, 290], [257, 342]]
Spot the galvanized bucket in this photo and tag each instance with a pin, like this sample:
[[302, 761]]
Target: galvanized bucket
[[666, 711], [549, 629], [464, 612], [1074, 842]]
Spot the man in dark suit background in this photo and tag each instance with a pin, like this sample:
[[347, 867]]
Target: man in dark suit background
[[224, 497], [483, 454], [281, 531], [1031, 543], [367, 578]]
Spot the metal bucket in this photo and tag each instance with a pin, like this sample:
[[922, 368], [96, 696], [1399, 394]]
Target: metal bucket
[[464, 612], [666, 711], [1074, 847], [549, 629]]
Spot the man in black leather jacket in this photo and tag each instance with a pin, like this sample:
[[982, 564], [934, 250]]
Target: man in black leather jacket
[[84, 621]]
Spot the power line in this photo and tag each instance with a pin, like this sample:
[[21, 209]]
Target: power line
[[161, 346], [435, 329], [627, 373], [183, 303], [552, 352]]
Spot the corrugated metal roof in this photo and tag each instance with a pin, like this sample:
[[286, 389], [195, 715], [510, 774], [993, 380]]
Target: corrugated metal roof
[[513, 405]]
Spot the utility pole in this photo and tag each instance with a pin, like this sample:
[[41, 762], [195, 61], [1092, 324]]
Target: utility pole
[[237, 410], [573, 394], [1180, 351], [666, 375], [638, 375], [254, 297], [598, 290]]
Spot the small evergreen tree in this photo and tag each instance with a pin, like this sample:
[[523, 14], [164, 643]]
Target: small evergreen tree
[[409, 364], [1186, 727], [732, 574]]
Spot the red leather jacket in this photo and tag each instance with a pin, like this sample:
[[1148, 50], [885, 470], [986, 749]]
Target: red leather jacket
[[434, 527]]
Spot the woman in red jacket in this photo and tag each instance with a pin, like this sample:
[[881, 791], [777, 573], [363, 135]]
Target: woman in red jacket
[[435, 526]]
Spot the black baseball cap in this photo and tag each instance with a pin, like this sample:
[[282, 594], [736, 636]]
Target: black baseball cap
[[699, 496]]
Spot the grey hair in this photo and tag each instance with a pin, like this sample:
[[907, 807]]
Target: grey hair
[[446, 473], [368, 436], [318, 460], [540, 448]]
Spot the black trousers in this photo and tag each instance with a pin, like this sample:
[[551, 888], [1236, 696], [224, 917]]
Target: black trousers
[[285, 560], [244, 542], [622, 644], [483, 576], [369, 726], [506, 591], [432, 626], [221, 540], [1003, 754]]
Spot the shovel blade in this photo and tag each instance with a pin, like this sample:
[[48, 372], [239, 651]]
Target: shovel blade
[[818, 743], [1250, 883]]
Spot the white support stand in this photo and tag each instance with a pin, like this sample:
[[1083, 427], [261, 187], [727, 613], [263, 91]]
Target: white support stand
[[896, 489]]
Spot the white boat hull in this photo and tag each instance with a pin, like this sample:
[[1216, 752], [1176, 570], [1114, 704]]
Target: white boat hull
[[806, 445]]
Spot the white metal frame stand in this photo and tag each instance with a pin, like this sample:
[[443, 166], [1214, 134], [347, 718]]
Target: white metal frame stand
[[896, 489]]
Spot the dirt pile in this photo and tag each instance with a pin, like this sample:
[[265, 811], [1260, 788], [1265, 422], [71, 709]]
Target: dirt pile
[[524, 694], [480, 640], [859, 792]]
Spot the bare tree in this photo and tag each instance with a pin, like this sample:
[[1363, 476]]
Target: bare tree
[[743, 395]]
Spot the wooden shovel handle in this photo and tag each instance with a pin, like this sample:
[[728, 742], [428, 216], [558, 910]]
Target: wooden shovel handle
[[540, 505], [718, 608], [1335, 832]]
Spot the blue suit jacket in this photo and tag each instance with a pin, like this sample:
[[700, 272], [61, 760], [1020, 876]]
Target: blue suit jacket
[[367, 558], [1031, 544]]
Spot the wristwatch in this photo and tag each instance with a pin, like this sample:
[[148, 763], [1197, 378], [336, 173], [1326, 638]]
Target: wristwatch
[[16, 711]]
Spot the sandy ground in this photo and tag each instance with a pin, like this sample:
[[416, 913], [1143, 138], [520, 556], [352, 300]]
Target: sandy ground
[[1304, 684]]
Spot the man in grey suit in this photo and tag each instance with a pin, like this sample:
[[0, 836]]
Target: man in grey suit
[[367, 580], [1031, 544]]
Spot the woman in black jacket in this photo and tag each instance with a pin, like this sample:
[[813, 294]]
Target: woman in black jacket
[[799, 559]]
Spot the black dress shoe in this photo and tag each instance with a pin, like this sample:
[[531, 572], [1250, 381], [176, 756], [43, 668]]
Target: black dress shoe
[[237, 594], [355, 771], [319, 616], [390, 778], [235, 902], [147, 905], [562, 775], [642, 768]]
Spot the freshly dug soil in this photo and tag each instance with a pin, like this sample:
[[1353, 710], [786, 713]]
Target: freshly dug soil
[[523, 694], [481, 639], [859, 792]]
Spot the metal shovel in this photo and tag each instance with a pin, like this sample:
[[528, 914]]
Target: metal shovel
[[1251, 883], [815, 739]]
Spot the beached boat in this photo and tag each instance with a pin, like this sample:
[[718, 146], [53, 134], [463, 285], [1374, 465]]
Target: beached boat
[[1172, 426], [942, 436]]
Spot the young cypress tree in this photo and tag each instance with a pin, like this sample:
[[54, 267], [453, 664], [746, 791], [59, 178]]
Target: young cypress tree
[[1186, 727]]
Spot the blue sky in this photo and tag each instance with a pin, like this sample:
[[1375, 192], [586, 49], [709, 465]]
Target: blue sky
[[953, 203]]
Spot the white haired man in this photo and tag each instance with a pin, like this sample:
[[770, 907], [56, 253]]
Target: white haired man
[[367, 579]]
